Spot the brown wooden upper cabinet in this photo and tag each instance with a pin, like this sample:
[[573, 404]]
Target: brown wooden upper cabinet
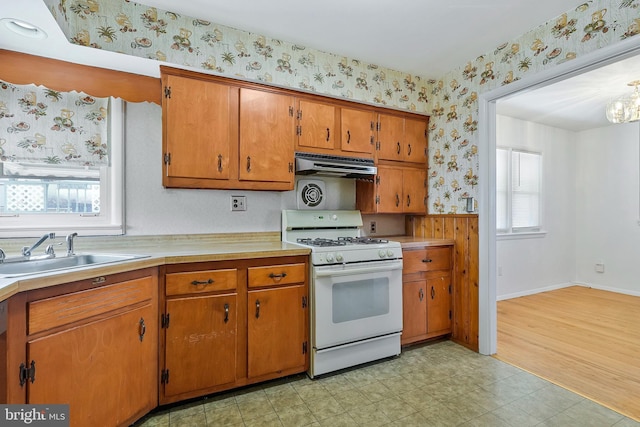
[[396, 189], [217, 133], [402, 139], [330, 128], [266, 137], [357, 131]]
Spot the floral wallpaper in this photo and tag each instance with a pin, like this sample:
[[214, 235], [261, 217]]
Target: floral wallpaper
[[41, 125], [451, 100]]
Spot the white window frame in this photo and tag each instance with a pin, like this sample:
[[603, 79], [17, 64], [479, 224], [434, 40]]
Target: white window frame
[[519, 232], [110, 220]]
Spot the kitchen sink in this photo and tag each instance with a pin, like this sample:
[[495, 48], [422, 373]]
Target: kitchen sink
[[25, 267]]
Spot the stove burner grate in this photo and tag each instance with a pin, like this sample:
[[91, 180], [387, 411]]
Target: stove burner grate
[[363, 240], [321, 242]]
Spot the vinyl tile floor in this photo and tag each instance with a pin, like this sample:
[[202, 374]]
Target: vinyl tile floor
[[440, 384]]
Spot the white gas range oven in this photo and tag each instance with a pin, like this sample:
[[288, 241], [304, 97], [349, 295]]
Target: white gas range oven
[[355, 289]]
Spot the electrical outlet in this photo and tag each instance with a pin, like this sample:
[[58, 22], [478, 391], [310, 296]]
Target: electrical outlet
[[372, 227], [238, 203], [600, 267]]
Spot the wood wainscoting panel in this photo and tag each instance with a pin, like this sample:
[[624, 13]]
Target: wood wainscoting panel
[[463, 229]]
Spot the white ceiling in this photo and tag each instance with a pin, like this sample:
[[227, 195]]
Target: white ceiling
[[424, 37]]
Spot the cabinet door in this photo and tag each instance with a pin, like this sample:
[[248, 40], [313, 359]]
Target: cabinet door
[[200, 343], [414, 310], [357, 128], [389, 190], [439, 304], [415, 140], [390, 137], [197, 124], [276, 330], [317, 125], [267, 132], [103, 370], [414, 186]]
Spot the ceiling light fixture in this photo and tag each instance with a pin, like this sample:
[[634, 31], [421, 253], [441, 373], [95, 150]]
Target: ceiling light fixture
[[626, 108], [24, 28]]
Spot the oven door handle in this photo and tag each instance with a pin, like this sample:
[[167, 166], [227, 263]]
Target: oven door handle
[[340, 270]]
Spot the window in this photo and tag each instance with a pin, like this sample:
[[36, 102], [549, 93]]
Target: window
[[36, 198], [518, 190]]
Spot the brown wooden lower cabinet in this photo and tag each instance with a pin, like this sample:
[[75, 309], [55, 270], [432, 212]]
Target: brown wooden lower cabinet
[[227, 324], [91, 344], [427, 288]]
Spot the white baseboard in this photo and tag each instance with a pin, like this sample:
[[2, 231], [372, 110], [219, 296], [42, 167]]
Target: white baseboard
[[566, 285], [535, 291]]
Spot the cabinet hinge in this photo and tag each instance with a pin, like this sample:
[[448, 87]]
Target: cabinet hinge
[[298, 130], [299, 115], [167, 91], [164, 321], [290, 111], [290, 167], [304, 302], [371, 140], [167, 158], [27, 373], [304, 347], [164, 376], [377, 145], [373, 126], [377, 200], [378, 126], [377, 179]]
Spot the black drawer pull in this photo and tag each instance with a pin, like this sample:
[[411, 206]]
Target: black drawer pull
[[199, 282], [427, 260], [277, 277]]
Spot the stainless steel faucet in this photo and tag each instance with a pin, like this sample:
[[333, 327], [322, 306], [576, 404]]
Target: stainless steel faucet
[[69, 241], [26, 251]]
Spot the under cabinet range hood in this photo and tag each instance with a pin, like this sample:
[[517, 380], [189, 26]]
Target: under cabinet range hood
[[337, 166]]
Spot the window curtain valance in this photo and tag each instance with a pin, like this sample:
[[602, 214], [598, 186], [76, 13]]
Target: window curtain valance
[[41, 125]]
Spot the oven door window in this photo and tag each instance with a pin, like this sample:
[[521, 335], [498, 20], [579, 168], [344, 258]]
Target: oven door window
[[360, 299]]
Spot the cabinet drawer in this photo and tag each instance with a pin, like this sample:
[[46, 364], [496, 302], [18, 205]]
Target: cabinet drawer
[[429, 259], [194, 282], [277, 275], [65, 309]]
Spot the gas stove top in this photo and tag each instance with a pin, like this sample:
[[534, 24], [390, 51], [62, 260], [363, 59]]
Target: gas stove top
[[340, 241], [334, 237]]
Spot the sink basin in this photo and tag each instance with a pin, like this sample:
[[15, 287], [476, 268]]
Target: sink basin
[[26, 267]]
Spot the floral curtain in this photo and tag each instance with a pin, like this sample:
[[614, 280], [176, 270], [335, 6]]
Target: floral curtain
[[40, 125]]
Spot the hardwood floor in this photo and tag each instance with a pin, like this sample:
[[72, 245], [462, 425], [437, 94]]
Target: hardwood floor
[[583, 339]]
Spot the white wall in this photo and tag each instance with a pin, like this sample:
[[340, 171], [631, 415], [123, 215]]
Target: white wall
[[608, 208], [529, 265], [152, 209]]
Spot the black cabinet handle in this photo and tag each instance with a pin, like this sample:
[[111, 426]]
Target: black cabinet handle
[[200, 282], [409, 149], [399, 149], [408, 200], [397, 200], [219, 162], [427, 260], [277, 277], [248, 163], [226, 313], [433, 293], [328, 134], [421, 294], [257, 308], [142, 328]]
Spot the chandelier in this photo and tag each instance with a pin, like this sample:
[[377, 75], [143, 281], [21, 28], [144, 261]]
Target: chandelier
[[626, 108]]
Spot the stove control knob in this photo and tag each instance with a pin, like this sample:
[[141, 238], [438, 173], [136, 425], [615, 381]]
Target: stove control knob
[[339, 257], [329, 257], [389, 253], [334, 217], [382, 253]]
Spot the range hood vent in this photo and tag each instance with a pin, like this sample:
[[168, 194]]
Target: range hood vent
[[336, 166]]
